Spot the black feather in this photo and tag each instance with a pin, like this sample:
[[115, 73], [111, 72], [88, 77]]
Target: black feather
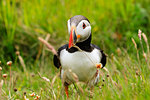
[[56, 61], [56, 58], [103, 60]]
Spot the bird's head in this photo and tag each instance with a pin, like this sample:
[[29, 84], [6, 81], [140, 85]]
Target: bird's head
[[79, 29]]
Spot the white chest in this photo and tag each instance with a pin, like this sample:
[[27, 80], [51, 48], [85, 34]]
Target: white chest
[[81, 63]]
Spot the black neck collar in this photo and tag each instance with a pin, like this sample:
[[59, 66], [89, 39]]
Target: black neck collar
[[85, 43], [85, 46]]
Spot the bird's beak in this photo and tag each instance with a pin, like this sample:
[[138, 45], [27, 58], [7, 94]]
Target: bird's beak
[[73, 36]]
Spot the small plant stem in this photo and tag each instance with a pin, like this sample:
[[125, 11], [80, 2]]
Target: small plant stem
[[147, 59], [142, 50], [138, 57], [22, 63], [142, 46], [148, 54], [147, 48], [10, 79], [5, 80], [0, 75]]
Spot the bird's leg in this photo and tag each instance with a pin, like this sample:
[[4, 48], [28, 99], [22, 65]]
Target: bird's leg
[[66, 89]]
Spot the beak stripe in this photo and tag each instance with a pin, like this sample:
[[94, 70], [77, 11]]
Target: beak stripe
[[71, 40]]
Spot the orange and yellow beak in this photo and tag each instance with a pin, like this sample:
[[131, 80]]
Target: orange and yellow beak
[[73, 37]]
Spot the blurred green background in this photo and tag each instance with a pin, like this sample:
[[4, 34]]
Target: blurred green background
[[113, 23]]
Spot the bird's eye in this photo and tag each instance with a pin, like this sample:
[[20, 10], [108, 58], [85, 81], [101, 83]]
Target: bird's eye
[[83, 25]]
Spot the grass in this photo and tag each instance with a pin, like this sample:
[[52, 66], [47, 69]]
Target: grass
[[114, 23], [128, 79]]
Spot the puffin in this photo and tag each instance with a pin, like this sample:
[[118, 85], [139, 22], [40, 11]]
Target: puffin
[[79, 56]]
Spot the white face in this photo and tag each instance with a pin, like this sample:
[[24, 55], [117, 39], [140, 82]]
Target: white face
[[83, 29]]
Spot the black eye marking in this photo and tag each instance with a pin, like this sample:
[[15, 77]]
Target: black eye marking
[[83, 25]]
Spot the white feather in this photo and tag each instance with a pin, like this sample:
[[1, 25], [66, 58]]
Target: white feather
[[81, 63], [84, 33], [68, 24]]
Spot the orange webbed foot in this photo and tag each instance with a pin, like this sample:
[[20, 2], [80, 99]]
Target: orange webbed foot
[[99, 65]]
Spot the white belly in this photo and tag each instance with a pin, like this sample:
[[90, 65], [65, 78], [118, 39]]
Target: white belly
[[81, 63]]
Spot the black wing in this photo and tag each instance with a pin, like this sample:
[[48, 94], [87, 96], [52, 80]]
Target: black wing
[[56, 58], [103, 59]]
